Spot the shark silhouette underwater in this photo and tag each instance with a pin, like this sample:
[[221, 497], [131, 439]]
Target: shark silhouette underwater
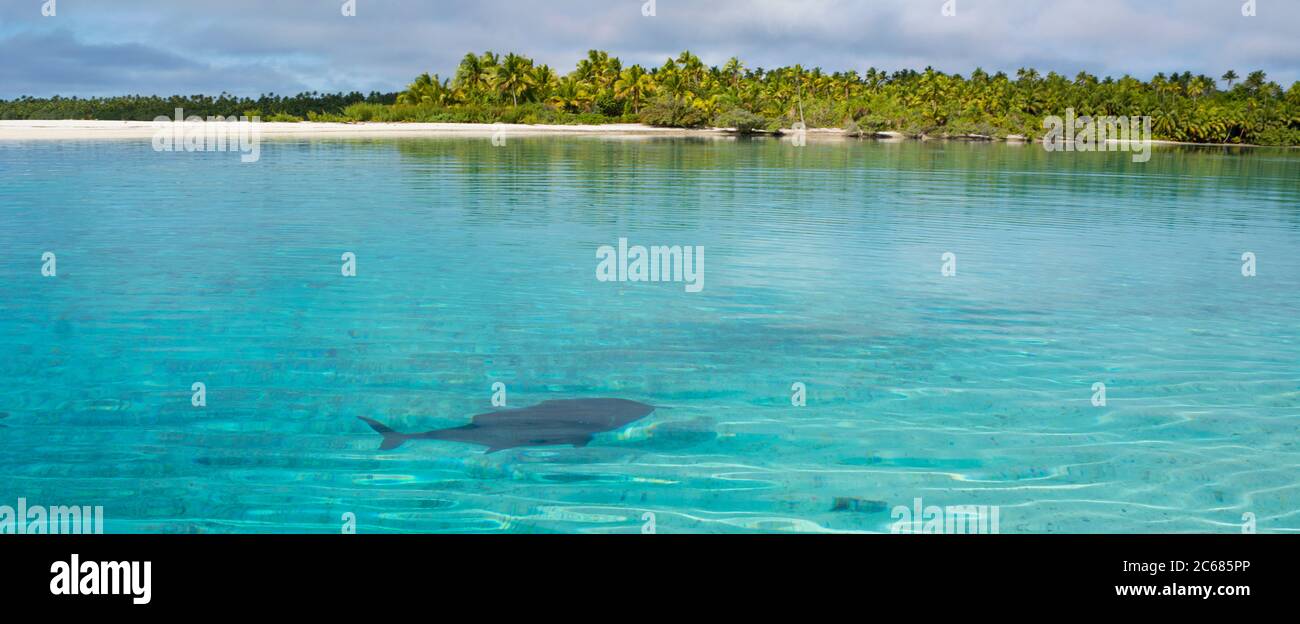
[[550, 423]]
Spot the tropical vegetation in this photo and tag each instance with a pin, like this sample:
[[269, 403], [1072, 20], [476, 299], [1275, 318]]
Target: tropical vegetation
[[147, 107], [685, 92]]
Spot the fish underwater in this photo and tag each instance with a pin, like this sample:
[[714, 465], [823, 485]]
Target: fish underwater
[[550, 423]]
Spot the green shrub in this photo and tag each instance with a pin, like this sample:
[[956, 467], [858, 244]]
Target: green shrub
[[1277, 136], [326, 117], [672, 112], [607, 106], [870, 125], [590, 119], [742, 120], [821, 114], [364, 111]]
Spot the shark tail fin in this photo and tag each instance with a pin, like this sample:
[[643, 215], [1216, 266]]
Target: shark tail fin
[[392, 439]]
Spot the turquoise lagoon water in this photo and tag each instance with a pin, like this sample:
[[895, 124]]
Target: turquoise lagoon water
[[477, 265]]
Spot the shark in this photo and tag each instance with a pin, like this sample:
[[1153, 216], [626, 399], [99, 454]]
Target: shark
[[550, 423]]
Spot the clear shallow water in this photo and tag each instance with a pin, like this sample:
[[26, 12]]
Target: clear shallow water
[[477, 264]]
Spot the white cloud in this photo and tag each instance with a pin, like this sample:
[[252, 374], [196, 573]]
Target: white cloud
[[249, 46]]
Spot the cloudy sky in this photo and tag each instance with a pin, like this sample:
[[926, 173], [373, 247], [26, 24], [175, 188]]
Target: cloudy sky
[[246, 47]]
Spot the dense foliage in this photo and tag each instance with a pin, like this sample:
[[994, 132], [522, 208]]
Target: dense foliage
[[146, 108], [684, 92]]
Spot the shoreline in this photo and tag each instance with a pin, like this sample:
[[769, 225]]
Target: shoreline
[[76, 129]]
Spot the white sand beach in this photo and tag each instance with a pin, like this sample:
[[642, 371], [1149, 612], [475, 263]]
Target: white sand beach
[[80, 129], [76, 129]]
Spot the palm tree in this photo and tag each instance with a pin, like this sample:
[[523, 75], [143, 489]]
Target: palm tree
[[1255, 81], [1026, 75], [691, 67], [1199, 86], [599, 71], [1184, 106], [932, 93], [544, 80], [427, 90], [710, 105], [672, 83], [514, 76], [732, 71], [473, 77], [634, 84], [570, 94]]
